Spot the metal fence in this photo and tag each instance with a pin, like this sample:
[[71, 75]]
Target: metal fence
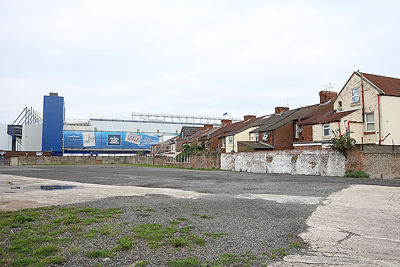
[[178, 159]]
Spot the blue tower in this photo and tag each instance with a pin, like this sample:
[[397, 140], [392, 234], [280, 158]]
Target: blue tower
[[53, 123]]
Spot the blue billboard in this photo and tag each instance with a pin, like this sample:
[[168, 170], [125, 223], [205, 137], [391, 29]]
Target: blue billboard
[[97, 141]]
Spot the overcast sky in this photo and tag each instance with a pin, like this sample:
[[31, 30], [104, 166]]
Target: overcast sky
[[112, 58]]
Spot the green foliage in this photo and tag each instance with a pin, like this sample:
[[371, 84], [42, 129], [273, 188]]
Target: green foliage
[[357, 174], [37, 237], [215, 235], [343, 143], [190, 150], [247, 148], [125, 243], [188, 262], [103, 253]]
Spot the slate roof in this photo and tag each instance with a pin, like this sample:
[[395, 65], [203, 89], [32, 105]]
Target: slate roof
[[195, 135], [278, 120], [256, 145], [243, 126], [206, 134], [388, 85], [231, 128], [187, 131]]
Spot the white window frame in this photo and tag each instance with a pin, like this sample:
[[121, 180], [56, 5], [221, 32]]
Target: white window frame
[[265, 137], [297, 133], [369, 122], [230, 139], [355, 95], [326, 127]]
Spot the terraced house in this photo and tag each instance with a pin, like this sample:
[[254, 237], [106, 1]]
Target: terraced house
[[366, 108]]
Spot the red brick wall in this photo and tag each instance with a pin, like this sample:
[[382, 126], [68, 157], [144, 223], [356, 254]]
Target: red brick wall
[[378, 165], [306, 135], [283, 137], [203, 161]]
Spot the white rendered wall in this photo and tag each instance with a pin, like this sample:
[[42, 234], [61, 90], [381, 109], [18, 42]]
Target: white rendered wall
[[304, 162], [32, 137]]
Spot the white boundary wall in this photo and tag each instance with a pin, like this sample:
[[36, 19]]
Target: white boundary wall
[[306, 162]]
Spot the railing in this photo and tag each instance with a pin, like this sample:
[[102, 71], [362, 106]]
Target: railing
[[178, 159]]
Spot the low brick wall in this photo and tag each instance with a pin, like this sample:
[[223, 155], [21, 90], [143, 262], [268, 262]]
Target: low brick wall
[[307, 162], [204, 161], [377, 164], [71, 160]]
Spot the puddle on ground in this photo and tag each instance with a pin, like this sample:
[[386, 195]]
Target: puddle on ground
[[56, 187]]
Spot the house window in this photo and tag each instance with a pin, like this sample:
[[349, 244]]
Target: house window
[[298, 131], [230, 140], [265, 137], [223, 143], [257, 137], [369, 122], [355, 95], [327, 130], [340, 105]]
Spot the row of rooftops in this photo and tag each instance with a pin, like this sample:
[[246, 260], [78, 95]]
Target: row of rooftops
[[308, 115]]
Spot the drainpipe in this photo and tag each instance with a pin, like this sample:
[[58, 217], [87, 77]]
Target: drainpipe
[[340, 132], [379, 118], [348, 126], [362, 93]]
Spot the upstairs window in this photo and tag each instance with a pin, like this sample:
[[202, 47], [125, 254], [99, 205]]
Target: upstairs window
[[369, 122], [355, 95], [327, 130], [230, 139]]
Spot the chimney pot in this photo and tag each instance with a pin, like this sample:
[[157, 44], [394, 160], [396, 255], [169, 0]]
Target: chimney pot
[[325, 96], [279, 110], [249, 117], [225, 122]]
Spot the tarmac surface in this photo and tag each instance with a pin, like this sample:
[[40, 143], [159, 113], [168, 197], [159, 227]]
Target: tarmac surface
[[345, 222]]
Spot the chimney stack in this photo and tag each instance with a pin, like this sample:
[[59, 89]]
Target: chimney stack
[[208, 126], [226, 122], [249, 117], [325, 96], [279, 110]]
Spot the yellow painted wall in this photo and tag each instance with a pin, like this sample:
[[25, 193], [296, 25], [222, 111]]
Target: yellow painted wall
[[370, 105], [390, 119], [242, 136]]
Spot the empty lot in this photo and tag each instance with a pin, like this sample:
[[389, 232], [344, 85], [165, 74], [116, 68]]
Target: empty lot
[[252, 216]]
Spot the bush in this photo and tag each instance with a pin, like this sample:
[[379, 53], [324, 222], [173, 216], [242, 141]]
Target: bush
[[190, 150], [357, 175], [342, 143]]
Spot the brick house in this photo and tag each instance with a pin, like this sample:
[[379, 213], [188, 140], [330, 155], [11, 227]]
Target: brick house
[[279, 130], [240, 133], [216, 140]]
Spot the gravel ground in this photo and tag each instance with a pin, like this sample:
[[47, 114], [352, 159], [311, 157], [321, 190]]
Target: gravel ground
[[252, 226]]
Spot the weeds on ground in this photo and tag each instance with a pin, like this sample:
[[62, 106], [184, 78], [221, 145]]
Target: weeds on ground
[[157, 235], [359, 174], [35, 237]]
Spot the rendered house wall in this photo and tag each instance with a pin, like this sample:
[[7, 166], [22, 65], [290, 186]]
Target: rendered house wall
[[390, 119]]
